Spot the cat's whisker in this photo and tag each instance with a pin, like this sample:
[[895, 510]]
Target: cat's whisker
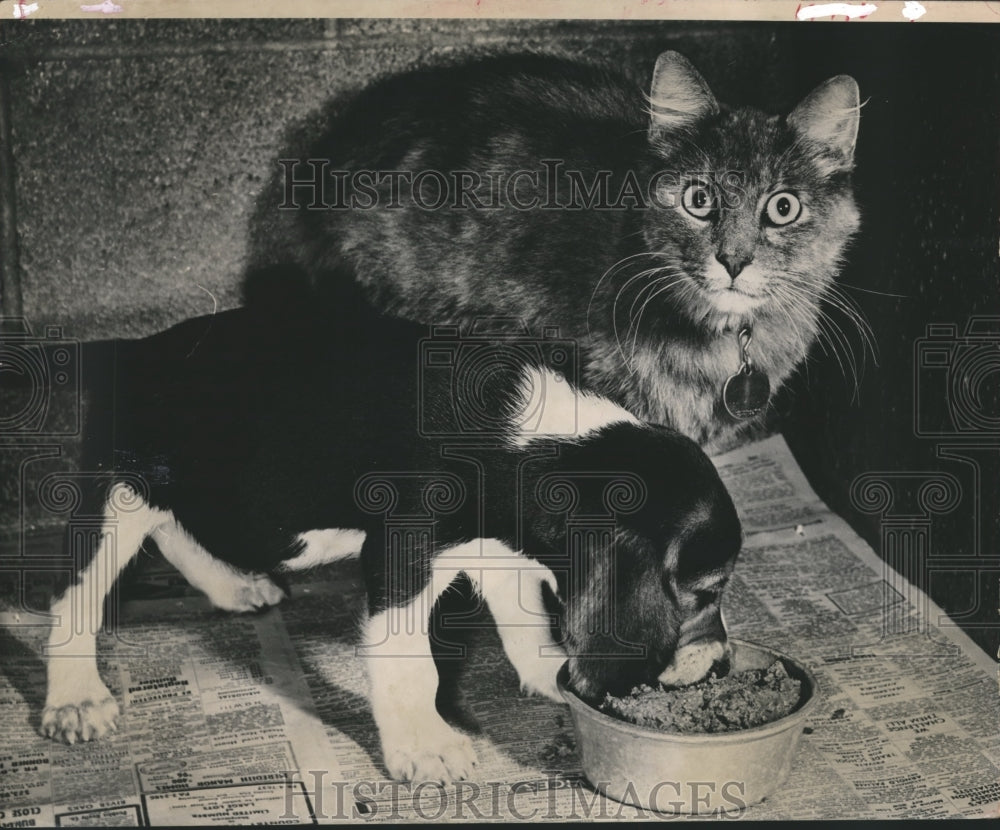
[[701, 153], [872, 291], [794, 323], [618, 296], [829, 329], [649, 286], [647, 293], [642, 232], [611, 270], [689, 292], [834, 296], [822, 331], [806, 306], [806, 301], [845, 306], [783, 297], [848, 352], [621, 291], [681, 279], [641, 130], [633, 324], [797, 144]]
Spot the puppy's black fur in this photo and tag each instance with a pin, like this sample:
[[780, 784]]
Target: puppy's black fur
[[253, 427]]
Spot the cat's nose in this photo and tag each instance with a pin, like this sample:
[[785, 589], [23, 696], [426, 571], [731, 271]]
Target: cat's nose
[[734, 261]]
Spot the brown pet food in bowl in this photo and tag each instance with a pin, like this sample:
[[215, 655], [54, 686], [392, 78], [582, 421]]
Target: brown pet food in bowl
[[694, 772], [740, 700]]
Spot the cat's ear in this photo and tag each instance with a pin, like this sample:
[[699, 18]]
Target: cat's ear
[[829, 117], [679, 96]]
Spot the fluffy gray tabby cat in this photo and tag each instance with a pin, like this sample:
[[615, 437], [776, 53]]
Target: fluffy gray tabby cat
[[650, 228]]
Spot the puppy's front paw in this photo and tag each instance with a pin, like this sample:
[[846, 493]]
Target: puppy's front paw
[[539, 678], [431, 751], [265, 592], [243, 591], [84, 720]]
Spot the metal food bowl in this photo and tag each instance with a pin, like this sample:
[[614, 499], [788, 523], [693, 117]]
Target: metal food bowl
[[692, 773]]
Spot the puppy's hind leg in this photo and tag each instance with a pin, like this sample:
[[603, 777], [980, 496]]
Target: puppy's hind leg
[[78, 706], [228, 588]]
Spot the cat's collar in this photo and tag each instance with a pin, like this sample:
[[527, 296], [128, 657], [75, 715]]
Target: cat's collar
[[733, 324], [746, 392]]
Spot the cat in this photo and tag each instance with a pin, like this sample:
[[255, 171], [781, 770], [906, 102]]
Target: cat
[[660, 232]]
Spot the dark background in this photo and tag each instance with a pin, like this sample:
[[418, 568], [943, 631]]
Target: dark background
[[131, 153], [928, 175]]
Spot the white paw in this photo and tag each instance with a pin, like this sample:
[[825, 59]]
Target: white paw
[[245, 592], [431, 751], [86, 719], [265, 592]]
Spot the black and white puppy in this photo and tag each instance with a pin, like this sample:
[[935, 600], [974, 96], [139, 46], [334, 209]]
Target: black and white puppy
[[272, 439]]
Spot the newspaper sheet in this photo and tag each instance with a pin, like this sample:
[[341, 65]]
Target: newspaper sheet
[[220, 727], [216, 727]]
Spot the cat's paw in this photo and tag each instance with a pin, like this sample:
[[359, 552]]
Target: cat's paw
[[429, 751], [89, 717]]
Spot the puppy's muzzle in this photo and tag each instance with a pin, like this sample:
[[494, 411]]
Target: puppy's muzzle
[[703, 647], [695, 661]]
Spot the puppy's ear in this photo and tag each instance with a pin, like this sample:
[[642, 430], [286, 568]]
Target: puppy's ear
[[554, 603], [556, 607], [672, 557]]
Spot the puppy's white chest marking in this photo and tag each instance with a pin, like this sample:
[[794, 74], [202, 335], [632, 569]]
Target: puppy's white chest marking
[[324, 546], [549, 407]]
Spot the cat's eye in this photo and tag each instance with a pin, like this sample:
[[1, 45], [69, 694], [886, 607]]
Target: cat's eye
[[698, 200], [783, 208]]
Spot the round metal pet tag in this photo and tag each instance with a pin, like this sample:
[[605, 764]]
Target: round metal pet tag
[[746, 393]]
